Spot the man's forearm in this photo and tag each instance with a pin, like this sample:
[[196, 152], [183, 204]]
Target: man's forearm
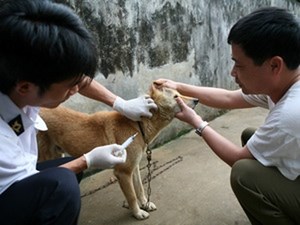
[[98, 92], [77, 165], [214, 97]]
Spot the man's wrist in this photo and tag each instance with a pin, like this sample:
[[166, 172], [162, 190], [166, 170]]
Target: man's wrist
[[118, 104], [86, 160], [201, 127]]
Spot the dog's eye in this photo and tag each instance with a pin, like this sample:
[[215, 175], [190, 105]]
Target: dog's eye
[[176, 96]]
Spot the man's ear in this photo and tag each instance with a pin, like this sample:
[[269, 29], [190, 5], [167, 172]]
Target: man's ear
[[276, 64], [24, 87]]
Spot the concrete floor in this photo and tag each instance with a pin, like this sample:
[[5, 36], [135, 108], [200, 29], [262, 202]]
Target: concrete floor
[[190, 185]]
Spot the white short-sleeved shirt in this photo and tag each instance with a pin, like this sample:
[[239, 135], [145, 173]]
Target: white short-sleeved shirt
[[277, 141], [18, 153]]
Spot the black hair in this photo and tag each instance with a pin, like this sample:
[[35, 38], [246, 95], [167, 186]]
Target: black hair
[[268, 32], [44, 43]]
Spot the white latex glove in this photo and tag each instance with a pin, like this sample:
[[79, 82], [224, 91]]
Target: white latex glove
[[105, 157], [135, 108]]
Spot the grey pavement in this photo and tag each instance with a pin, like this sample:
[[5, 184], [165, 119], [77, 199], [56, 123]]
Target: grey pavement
[[190, 185]]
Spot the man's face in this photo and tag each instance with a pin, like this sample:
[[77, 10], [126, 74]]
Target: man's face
[[251, 78], [55, 95]]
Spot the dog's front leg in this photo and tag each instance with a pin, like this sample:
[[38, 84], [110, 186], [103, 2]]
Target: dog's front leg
[[139, 190], [126, 184]]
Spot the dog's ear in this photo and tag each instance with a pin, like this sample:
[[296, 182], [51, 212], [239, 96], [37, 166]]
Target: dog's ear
[[157, 85], [155, 88]]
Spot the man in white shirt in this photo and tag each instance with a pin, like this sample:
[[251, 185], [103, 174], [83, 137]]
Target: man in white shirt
[[46, 56], [265, 171]]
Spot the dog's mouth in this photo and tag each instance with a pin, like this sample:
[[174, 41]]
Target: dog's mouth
[[192, 104]]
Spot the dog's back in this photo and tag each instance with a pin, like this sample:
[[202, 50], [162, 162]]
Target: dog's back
[[77, 133]]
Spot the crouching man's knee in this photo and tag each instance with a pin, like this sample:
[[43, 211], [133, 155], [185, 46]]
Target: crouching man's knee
[[242, 174]]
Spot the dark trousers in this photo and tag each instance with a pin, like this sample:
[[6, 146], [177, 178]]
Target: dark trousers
[[267, 197], [51, 196]]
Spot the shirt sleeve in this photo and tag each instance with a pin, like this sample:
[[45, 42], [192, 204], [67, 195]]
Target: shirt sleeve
[[257, 100], [15, 164]]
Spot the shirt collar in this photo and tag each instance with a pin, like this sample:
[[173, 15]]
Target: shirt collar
[[29, 114]]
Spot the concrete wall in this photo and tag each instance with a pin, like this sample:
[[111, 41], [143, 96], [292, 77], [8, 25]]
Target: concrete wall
[[184, 40]]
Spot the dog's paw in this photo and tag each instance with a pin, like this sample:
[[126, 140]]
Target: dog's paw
[[149, 206], [141, 215]]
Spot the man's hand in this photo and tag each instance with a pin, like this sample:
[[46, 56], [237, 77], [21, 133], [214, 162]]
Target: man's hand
[[135, 108], [166, 83], [187, 114], [105, 157]]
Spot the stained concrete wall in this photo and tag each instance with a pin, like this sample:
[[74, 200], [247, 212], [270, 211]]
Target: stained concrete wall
[[184, 40], [142, 40]]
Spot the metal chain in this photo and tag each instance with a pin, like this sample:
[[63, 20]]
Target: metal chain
[[149, 176], [112, 181], [172, 163]]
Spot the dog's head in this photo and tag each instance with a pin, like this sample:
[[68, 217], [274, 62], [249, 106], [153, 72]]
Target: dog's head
[[165, 99]]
